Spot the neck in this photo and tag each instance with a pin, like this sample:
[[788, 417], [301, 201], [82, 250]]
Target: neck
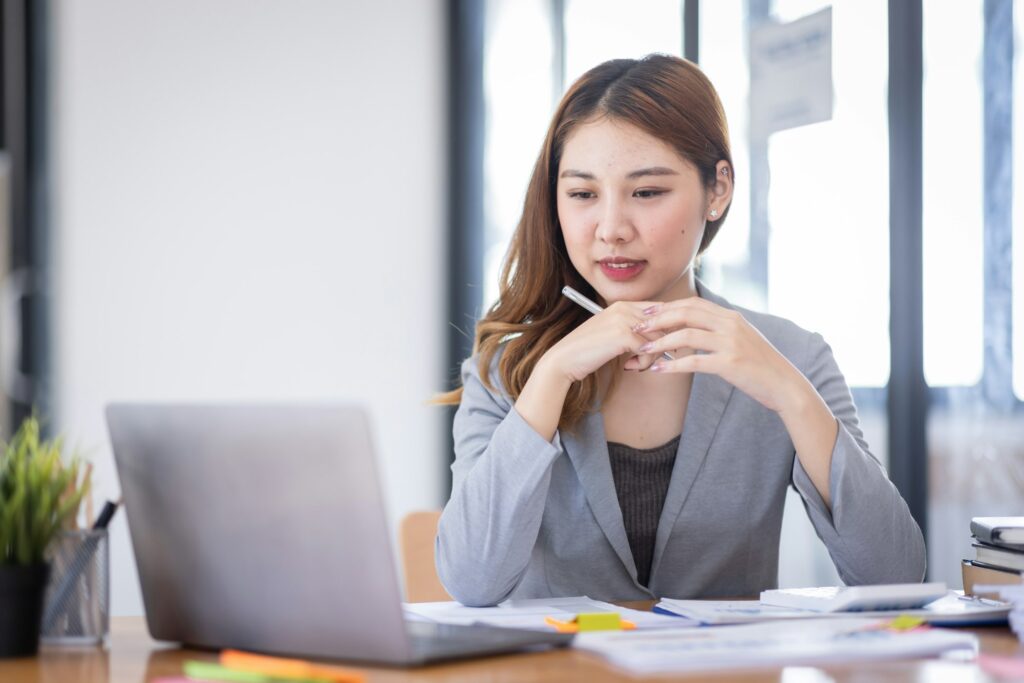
[[685, 286]]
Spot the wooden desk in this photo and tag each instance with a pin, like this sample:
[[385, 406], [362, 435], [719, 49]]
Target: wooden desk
[[132, 657]]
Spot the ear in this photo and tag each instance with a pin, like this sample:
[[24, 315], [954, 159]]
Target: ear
[[719, 195]]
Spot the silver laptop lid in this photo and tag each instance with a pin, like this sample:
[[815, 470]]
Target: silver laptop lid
[[260, 527]]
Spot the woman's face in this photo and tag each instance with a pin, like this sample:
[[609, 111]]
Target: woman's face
[[632, 212]]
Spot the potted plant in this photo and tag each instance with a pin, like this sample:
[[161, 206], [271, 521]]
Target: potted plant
[[39, 496]]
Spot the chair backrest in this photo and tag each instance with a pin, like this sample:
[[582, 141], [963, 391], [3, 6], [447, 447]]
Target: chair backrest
[[416, 537]]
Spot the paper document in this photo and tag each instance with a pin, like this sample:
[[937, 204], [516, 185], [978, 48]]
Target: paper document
[[790, 73], [806, 641], [1014, 597], [951, 610], [530, 614], [715, 612]]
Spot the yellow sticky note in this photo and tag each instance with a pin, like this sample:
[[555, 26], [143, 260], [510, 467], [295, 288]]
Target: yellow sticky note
[[596, 621], [904, 622], [599, 621]]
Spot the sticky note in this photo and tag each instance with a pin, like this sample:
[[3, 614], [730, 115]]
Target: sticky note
[[208, 671], [904, 622], [290, 669], [596, 621], [599, 621]]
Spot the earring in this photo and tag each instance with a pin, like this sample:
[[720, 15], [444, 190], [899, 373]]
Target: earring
[[714, 213], [725, 171]]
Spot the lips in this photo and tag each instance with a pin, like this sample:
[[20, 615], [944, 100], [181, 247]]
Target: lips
[[620, 268]]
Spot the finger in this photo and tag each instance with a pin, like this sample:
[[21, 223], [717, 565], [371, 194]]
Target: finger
[[689, 316], [640, 363], [646, 360], [643, 359], [696, 362], [694, 302], [700, 304], [632, 345], [637, 326], [628, 309], [631, 316], [686, 338], [619, 324]]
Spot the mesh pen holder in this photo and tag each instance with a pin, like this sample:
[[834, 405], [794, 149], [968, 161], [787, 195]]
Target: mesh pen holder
[[76, 608]]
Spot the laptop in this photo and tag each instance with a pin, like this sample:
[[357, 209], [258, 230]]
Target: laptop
[[262, 527]]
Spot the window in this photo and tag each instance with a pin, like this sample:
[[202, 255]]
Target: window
[[824, 215], [953, 207], [518, 90], [1018, 204], [599, 30], [828, 213], [974, 430], [725, 268]]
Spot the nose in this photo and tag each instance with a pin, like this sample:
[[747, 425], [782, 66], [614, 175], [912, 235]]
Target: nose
[[613, 226]]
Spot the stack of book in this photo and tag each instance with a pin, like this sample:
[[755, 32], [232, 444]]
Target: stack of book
[[998, 553]]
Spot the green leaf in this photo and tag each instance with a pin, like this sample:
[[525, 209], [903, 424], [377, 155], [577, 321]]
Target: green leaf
[[40, 493]]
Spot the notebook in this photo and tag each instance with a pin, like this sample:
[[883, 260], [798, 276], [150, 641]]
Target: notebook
[[856, 598], [1004, 531]]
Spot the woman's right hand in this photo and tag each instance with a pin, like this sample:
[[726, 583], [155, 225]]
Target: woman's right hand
[[614, 332], [607, 335]]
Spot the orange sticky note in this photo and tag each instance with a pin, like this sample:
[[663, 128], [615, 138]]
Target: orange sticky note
[[280, 667]]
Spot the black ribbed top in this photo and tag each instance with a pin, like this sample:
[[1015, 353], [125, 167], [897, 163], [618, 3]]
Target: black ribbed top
[[641, 482]]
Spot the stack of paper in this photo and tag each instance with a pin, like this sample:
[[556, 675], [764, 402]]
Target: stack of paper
[[806, 641], [953, 609], [530, 614], [1015, 596]]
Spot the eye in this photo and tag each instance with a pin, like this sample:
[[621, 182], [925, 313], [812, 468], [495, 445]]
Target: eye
[[648, 194], [580, 194]]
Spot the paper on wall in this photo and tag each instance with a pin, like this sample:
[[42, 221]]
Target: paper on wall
[[791, 73]]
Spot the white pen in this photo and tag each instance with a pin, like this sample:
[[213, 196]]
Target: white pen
[[586, 303]]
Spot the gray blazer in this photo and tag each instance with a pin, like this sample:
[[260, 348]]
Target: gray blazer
[[530, 518]]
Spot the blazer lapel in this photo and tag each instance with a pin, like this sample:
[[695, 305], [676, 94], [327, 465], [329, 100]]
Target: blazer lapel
[[709, 396], [588, 451]]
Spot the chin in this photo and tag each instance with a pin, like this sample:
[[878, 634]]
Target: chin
[[641, 289], [625, 291]]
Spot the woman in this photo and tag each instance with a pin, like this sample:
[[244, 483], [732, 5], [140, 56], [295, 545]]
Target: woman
[[587, 463]]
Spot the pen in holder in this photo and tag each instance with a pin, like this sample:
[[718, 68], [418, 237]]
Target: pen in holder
[[76, 608]]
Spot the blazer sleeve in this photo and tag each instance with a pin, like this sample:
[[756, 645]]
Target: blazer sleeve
[[500, 481], [869, 531]]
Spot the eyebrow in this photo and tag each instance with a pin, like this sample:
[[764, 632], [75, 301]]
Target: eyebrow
[[632, 175]]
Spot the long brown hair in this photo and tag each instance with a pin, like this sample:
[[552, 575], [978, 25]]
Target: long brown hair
[[667, 97]]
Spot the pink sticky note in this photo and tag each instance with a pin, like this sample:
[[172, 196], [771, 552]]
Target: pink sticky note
[[1001, 665]]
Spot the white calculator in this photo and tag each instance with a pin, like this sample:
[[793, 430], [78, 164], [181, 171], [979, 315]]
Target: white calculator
[[894, 596]]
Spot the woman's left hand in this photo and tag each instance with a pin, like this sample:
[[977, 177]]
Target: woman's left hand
[[733, 349]]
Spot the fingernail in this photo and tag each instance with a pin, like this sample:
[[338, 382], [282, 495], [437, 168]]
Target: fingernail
[[640, 326], [646, 347], [651, 310], [657, 367]]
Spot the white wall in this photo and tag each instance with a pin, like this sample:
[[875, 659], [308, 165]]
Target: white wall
[[248, 204]]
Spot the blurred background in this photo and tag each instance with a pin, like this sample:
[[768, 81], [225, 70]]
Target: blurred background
[[271, 200]]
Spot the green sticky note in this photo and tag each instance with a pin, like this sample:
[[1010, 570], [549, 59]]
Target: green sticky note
[[599, 621], [209, 671]]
